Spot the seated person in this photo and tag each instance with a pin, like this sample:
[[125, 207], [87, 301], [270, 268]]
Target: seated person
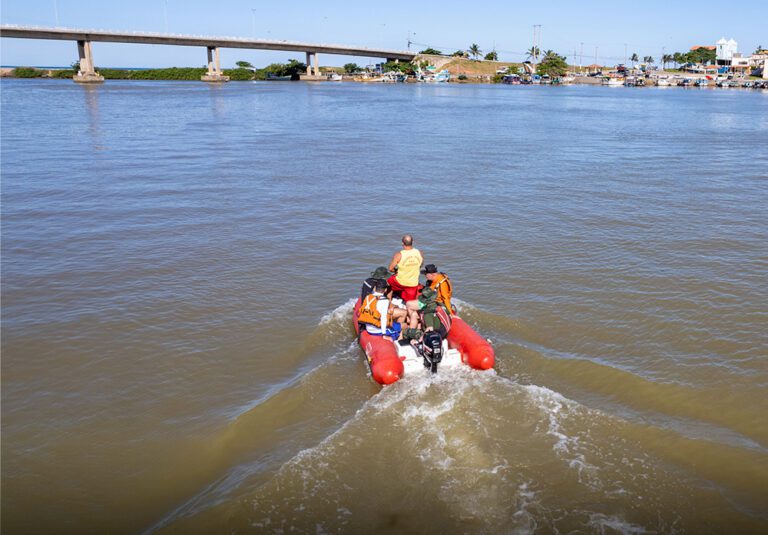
[[439, 282], [430, 315], [380, 273], [378, 314]]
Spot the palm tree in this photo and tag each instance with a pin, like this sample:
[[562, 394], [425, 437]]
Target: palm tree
[[634, 59], [533, 52], [666, 58], [475, 50]]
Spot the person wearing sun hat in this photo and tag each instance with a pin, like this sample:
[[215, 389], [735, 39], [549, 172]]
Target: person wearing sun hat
[[439, 282], [380, 273]]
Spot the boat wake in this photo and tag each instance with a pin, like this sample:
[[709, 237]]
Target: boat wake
[[466, 450]]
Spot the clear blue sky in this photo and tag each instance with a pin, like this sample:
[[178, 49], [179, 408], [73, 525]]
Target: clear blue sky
[[648, 28]]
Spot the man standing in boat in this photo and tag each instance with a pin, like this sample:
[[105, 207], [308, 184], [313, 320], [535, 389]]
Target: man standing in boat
[[406, 264]]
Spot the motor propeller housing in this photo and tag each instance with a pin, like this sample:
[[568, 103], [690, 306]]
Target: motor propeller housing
[[432, 350]]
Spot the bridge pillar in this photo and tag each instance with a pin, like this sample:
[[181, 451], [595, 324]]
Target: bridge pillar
[[214, 73], [87, 73], [313, 72]]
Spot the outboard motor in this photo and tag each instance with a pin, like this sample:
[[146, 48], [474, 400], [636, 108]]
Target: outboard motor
[[432, 350]]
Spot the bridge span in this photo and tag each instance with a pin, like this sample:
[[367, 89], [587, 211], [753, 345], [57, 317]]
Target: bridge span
[[88, 74]]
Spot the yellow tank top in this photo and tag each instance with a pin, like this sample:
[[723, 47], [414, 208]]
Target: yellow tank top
[[408, 267]]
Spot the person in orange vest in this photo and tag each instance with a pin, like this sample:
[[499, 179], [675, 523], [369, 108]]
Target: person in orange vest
[[439, 282], [377, 313], [406, 264], [380, 273]]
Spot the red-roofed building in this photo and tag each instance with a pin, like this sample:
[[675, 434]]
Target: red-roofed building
[[696, 47]]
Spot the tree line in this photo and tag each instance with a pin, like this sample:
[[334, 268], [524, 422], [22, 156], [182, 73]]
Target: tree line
[[700, 55], [473, 51]]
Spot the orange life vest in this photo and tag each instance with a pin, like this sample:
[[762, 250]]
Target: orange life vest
[[369, 313], [444, 290]]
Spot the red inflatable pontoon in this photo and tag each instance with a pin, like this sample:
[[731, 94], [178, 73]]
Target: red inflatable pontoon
[[386, 362], [386, 366]]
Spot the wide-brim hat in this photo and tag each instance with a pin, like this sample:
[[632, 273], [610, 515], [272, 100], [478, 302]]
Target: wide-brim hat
[[381, 272], [429, 268]]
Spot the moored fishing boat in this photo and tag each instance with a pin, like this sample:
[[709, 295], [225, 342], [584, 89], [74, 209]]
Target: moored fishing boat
[[612, 81], [512, 79], [393, 77], [391, 360]]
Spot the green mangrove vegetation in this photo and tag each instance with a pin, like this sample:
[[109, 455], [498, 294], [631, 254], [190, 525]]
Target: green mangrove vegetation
[[244, 72]]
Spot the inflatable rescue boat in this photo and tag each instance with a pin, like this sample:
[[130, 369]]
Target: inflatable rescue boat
[[390, 360]]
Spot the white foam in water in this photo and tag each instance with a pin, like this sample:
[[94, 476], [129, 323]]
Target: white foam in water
[[463, 305], [340, 313], [525, 498], [601, 523], [558, 407]]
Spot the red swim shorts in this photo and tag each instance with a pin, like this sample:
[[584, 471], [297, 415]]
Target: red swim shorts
[[408, 293]]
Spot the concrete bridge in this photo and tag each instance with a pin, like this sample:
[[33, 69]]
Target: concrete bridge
[[88, 74]]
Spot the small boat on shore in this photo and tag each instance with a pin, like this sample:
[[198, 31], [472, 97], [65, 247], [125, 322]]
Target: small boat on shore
[[366, 79], [612, 81], [391, 360], [393, 77], [439, 77], [662, 82]]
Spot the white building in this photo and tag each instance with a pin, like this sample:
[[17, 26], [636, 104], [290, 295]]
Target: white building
[[726, 50]]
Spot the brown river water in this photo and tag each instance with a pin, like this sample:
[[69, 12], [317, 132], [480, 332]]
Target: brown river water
[[179, 264]]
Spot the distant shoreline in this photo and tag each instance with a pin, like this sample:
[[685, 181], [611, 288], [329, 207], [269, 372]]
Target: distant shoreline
[[193, 74]]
